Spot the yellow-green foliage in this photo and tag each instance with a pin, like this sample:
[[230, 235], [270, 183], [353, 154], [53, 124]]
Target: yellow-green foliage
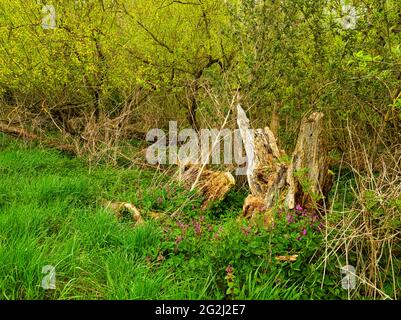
[[106, 46]]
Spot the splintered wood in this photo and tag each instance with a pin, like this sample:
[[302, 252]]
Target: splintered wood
[[213, 185], [119, 208], [127, 210], [253, 205], [287, 258], [255, 208], [306, 180], [309, 179]]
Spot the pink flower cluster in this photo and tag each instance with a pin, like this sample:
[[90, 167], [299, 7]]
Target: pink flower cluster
[[301, 214]]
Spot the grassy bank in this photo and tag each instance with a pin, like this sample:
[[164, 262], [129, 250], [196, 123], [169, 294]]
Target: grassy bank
[[50, 214]]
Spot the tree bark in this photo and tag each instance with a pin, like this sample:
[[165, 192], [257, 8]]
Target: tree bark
[[275, 119], [29, 136], [273, 182], [309, 179]]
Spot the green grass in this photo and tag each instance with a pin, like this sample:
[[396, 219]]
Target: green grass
[[50, 215]]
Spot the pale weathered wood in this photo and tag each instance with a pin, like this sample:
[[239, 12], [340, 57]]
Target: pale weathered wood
[[213, 185], [264, 169], [309, 179], [118, 208], [270, 172], [247, 138], [253, 205], [306, 180]]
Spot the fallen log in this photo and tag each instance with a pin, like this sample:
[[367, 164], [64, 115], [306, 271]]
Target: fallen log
[[24, 134], [17, 132], [119, 208], [213, 185]]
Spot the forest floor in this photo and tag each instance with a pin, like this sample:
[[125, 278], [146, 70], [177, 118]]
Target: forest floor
[[51, 213]]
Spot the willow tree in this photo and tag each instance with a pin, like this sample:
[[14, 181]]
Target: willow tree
[[177, 43], [63, 69]]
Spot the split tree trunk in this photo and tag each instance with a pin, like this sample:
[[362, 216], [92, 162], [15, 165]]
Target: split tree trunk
[[274, 182], [308, 177]]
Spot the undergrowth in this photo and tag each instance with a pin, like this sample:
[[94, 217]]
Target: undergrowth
[[50, 214]]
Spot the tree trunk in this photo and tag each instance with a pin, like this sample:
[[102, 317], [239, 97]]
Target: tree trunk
[[309, 178], [274, 182], [275, 119]]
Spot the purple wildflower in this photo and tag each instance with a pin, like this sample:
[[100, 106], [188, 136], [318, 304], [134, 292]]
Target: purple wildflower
[[298, 208], [182, 226], [229, 269], [178, 240], [290, 218], [197, 228], [304, 232], [230, 274], [246, 231]]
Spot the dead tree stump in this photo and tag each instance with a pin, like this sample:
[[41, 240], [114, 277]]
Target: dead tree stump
[[309, 178], [274, 182]]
